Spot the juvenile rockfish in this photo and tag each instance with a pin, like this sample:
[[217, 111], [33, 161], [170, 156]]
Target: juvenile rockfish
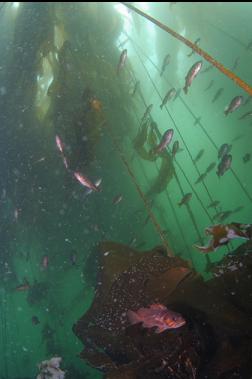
[[59, 143], [186, 198], [224, 165], [170, 94], [166, 61], [234, 104], [122, 61], [86, 182], [166, 139], [193, 72]]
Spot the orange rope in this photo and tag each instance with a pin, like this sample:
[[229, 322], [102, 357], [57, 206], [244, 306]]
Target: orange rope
[[197, 49]]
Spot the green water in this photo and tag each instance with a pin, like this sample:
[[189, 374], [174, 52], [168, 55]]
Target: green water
[[44, 209]]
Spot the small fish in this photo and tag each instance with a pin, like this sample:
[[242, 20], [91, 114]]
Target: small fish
[[224, 165], [136, 87], [156, 316], [192, 73], [221, 216], [245, 115], [210, 167], [147, 113], [207, 69], [234, 104], [65, 163], [166, 61], [246, 158], [209, 85], [86, 182], [40, 160], [177, 94], [59, 144], [196, 42], [223, 150], [97, 183], [175, 148], [199, 155], [16, 214], [24, 286], [35, 320], [217, 94], [235, 65], [185, 200], [166, 139], [45, 261], [201, 178], [122, 61], [214, 204], [170, 94], [117, 199], [132, 241], [197, 121]]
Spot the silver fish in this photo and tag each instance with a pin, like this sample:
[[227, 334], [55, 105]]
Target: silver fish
[[147, 113], [175, 148], [122, 61], [196, 42], [192, 73], [170, 94], [186, 198], [166, 139], [210, 167], [166, 61], [136, 87], [224, 149], [235, 65], [199, 155], [201, 178], [234, 104], [214, 204], [224, 165], [97, 184]]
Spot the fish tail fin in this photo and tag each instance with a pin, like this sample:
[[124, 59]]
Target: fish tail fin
[[161, 106], [185, 89], [133, 317]]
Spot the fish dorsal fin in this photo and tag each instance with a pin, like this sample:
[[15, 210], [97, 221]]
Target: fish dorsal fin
[[157, 306]]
